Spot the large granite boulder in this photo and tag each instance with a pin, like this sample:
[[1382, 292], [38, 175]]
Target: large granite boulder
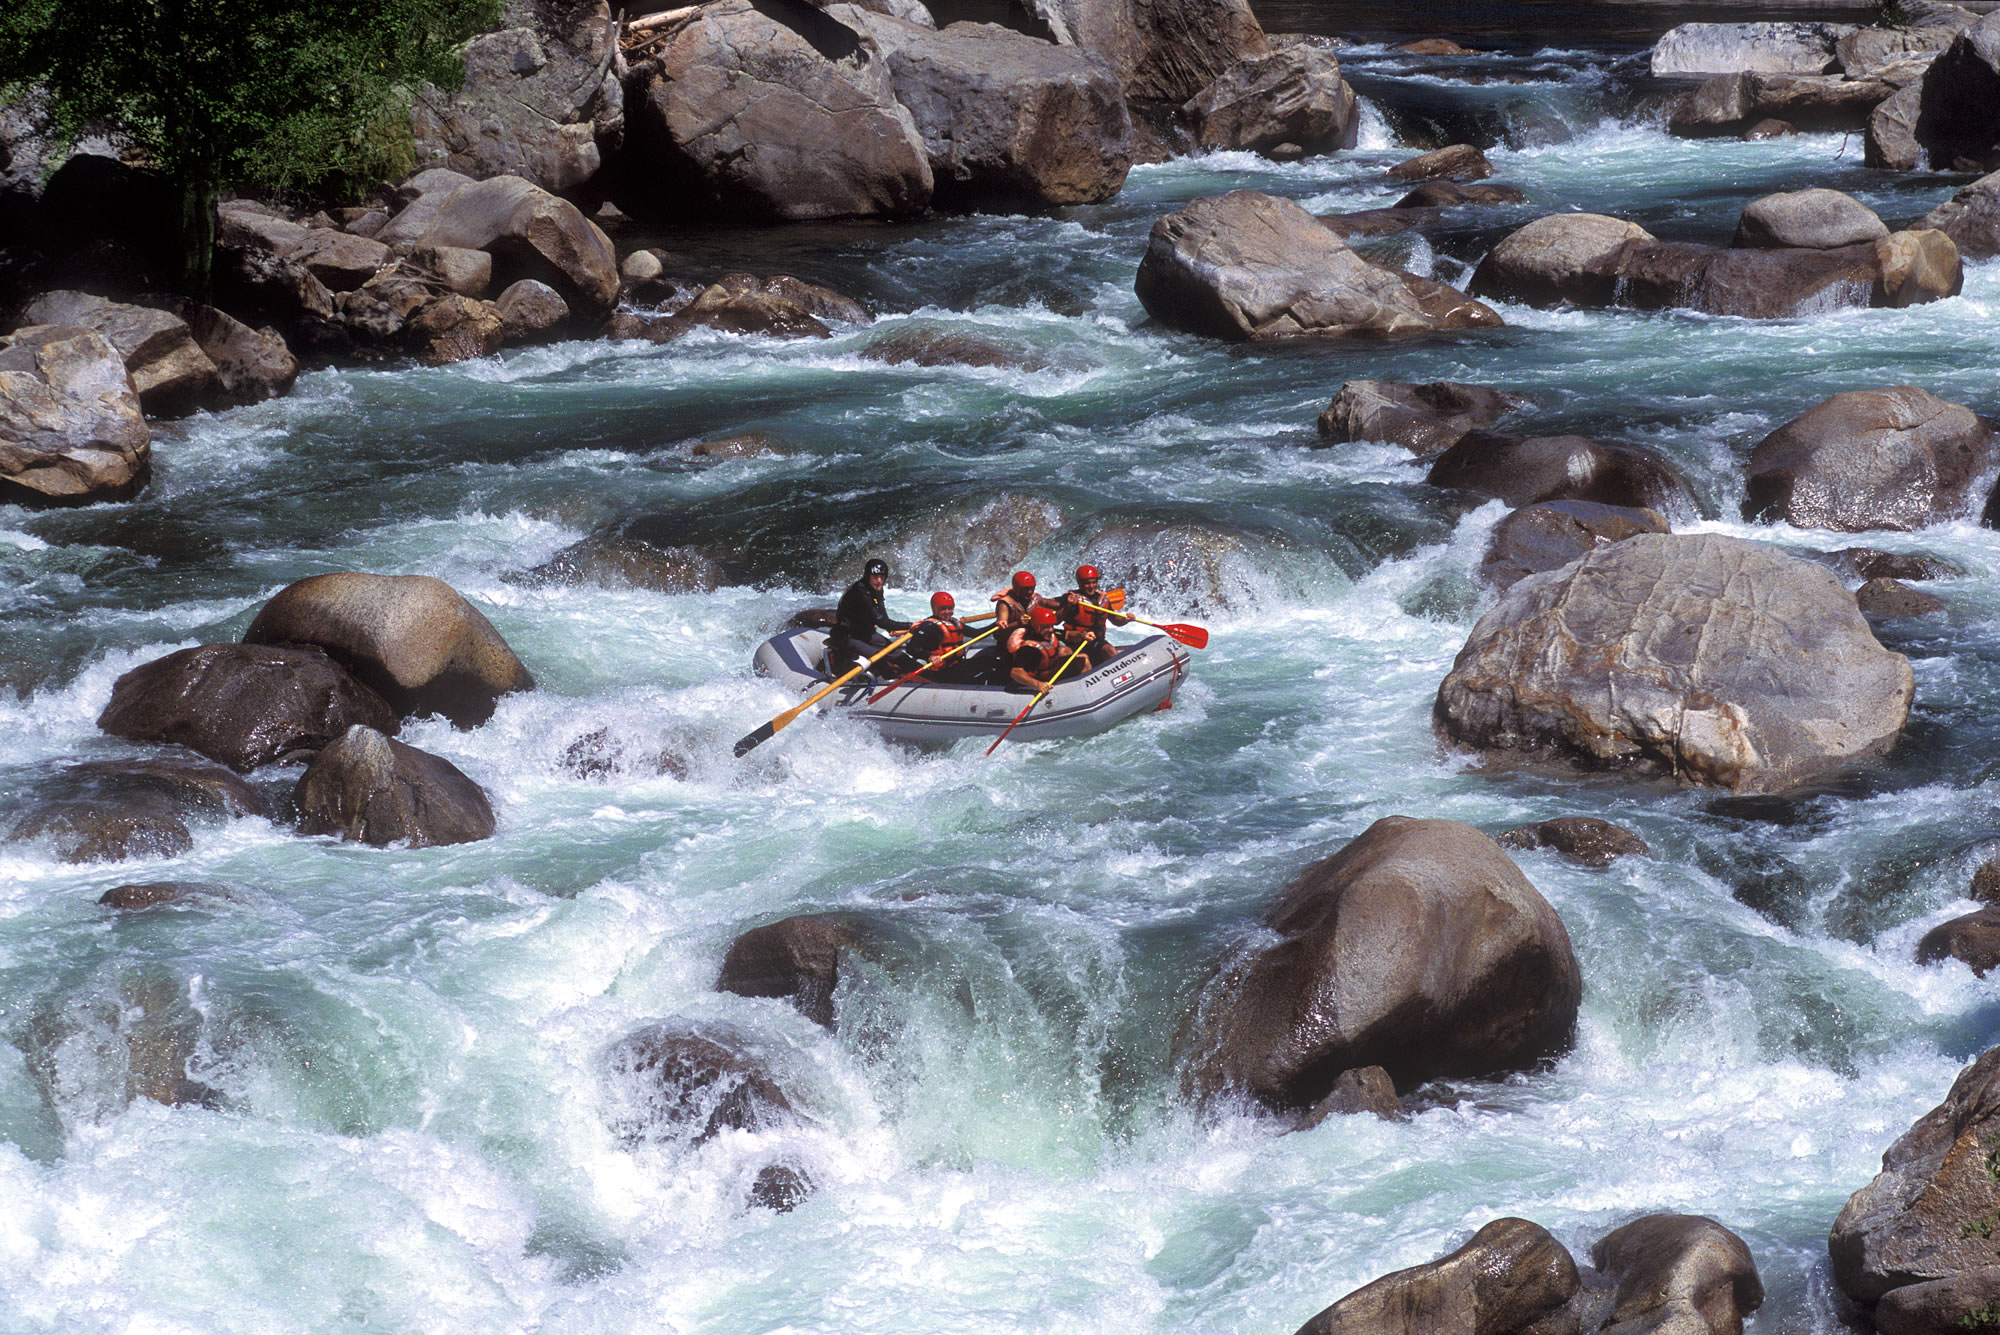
[[244, 705], [529, 232], [1423, 419], [70, 427], [1896, 458], [795, 959], [1816, 219], [1548, 535], [1525, 470], [1163, 51], [410, 638], [1511, 1276], [1294, 95], [1007, 120], [1419, 947], [1890, 141], [1728, 104], [171, 373], [1565, 257], [766, 112], [1770, 48], [1958, 121], [1678, 1273], [1869, 51], [1708, 658], [1251, 267], [540, 99], [1971, 218], [375, 790]]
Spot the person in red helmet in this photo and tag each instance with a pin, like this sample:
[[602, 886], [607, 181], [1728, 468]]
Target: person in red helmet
[[1034, 651], [936, 636], [1012, 604], [1081, 625]]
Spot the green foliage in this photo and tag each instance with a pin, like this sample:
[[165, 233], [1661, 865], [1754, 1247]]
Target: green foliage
[[1981, 1318]]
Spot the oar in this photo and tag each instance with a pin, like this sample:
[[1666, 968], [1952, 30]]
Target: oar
[[1037, 700], [928, 666], [764, 734], [1194, 637]]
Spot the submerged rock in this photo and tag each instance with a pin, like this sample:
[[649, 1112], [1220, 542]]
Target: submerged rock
[[1423, 419], [114, 810], [367, 787], [1896, 458], [1586, 839], [1526, 470], [1972, 938], [796, 959], [680, 1082], [71, 432]]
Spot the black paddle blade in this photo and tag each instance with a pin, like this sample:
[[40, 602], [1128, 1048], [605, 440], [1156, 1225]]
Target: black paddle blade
[[752, 740]]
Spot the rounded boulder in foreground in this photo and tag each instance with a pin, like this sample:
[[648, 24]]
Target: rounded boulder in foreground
[[1716, 660], [410, 638], [1419, 947]]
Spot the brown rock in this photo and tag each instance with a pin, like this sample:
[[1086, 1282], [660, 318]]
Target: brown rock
[[251, 365], [748, 445], [1772, 128], [1866, 563], [1367, 1090], [466, 272], [1971, 218], [367, 787], [338, 259], [70, 428], [1434, 46], [1564, 257], [1949, 1306], [1511, 1275], [676, 1081], [531, 311], [795, 959], [1161, 50], [1585, 839], [529, 232], [169, 371], [931, 347], [109, 811], [1525, 470], [1459, 162], [1450, 194], [1891, 140], [454, 329], [1291, 103], [1893, 598], [1678, 1273], [782, 305], [1896, 458], [1423, 419], [1548, 535], [152, 893], [1973, 938]]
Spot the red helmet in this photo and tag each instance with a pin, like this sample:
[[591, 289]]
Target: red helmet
[[1023, 580], [1085, 574], [942, 604], [1042, 617]]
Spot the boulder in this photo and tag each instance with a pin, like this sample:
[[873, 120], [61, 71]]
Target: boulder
[[1971, 218], [933, 347], [1867, 51], [771, 112], [1007, 120], [540, 99], [679, 1082], [1711, 659], [1729, 103], [1508, 1277], [1419, 947], [1958, 120], [1423, 419], [1890, 143], [1450, 194], [1367, 1090], [1893, 598], [453, 328], [1163, 51], [150, 894], [1866, 563], [244, 705], [781, 305], [1952, 1306], [795, 959], [266, 289], [375, 790], [623, 559], [1525, 470], [1896, 458], [109, 811], [1973, 939], [1247, 266], [1771, 48], [1678, 1273], [1548, 535], [1772, 128], [469, 273], [529, 232], [1293, 96], [410, 638], [251, 365], [1586, 839], [1903, 269], [1932, 1212], [380, 310], [1565, 257], [339, 259], [71, 432], [1458, 162], [1816, 219], [530, 311], [170, 372]]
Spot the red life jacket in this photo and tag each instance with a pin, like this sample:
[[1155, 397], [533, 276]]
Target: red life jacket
[[952, 631], [1079, 617], [1037, 656], [1015, 605]]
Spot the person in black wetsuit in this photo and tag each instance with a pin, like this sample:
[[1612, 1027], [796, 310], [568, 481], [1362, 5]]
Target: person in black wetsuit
[[860, 622]]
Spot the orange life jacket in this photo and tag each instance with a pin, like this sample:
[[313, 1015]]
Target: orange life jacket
[[1014, 606], [1078, 617], [1045, 653], [952, 631]]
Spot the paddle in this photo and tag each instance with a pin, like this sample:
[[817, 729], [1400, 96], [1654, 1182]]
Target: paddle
[[757, 738], [1037, 700], [928, 666], [1194, 637]]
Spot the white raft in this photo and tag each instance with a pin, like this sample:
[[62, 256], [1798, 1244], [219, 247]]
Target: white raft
[[1140, 678]]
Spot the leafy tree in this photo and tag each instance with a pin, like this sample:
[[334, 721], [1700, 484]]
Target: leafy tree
[[309, 97]]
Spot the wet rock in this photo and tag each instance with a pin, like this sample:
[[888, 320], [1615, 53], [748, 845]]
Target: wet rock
[[1434, 46], [1450, 194], [1511, 1275], [109, 811], [1163, 51], [1548, 535], [1458, 162], [1292, 100], [1678, 1273], [1367, 1090], [1959, 118], [1890, 142], [1973, 939], [71, 432], [649, 328], [1896, 458], [1941, 1306], [769, 112], [978, 539], [1893, 598], [530, 311], [1776, 48], [781, 1187], [169, 371], [1728, 103], [1423, 419], [1367, 223], [116, 1041], [454, 329], [1586, 839], [1971, 218], [1902, 269], [811, 618], [153, 893], [680, 1082], [1817, 219], [1770, 128], [1564, 257], [410, 638], [529, 232], [1866, 563], [780, 305], [1245, 266], [1419, 947], [1715, 660], [747, 445], [796, 959], [933, 347], [244, 705], [639, 555], [1525, 470], [366, 787]]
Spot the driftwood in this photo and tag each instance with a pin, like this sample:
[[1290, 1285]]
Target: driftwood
[[664, 19]]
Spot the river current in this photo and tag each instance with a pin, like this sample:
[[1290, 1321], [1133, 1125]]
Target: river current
[[411, 1121]]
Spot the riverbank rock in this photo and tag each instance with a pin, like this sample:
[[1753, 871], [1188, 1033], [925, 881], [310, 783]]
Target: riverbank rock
[[1708, 658], [1971, 218], [1816, 219], [1419, 947], [1527, 470], [1896, 458], [530, 312], [529, 232], [251, 365], [410, 638], [244, 705], [1456, 162], [1893, 598], [1563, 257], [1423, 419], [454, 329], [680, 1082], [71, 432], [1163, 51], [1931, 1214], [1510, 1276], [1890, 141], [1293, 96], [795, 959], [169, 371], [1958, 121], [1586, 839], [1972, 938], [1677, 1272], [369, 788], [1251, 267], [1006, 120], [1727, 104], [1725, 48], [770, 112], [1548, 535]]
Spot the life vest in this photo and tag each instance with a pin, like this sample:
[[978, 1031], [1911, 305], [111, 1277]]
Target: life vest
[[1042, 654], [1014, 605], [1078, 617], [951, 632]]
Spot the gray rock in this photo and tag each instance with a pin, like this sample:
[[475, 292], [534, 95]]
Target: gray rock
[[1891, 141], [1163, 51], [1510, 1276], [71, 432], [466, 272], [251, 365], [380, 309], [1972, 938], [1565, 257], [1769, 48], [531, 310], [1585, 839], [1458, 162], [375, 790], [1423, 419], [170, 372], [1678, 1274], [1293, 96], [1896, 458], [1525, 470], [1714, 660], [1817, 219], [529, 232], [1971, 218], [1246, 266], [1958, 122], [1867, 51], [1548, 535]]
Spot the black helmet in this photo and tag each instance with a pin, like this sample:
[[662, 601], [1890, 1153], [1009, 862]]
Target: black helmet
[[876, 566]]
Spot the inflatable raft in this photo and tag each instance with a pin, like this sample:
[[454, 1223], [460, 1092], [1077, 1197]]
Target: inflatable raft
[[1141, 677]]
